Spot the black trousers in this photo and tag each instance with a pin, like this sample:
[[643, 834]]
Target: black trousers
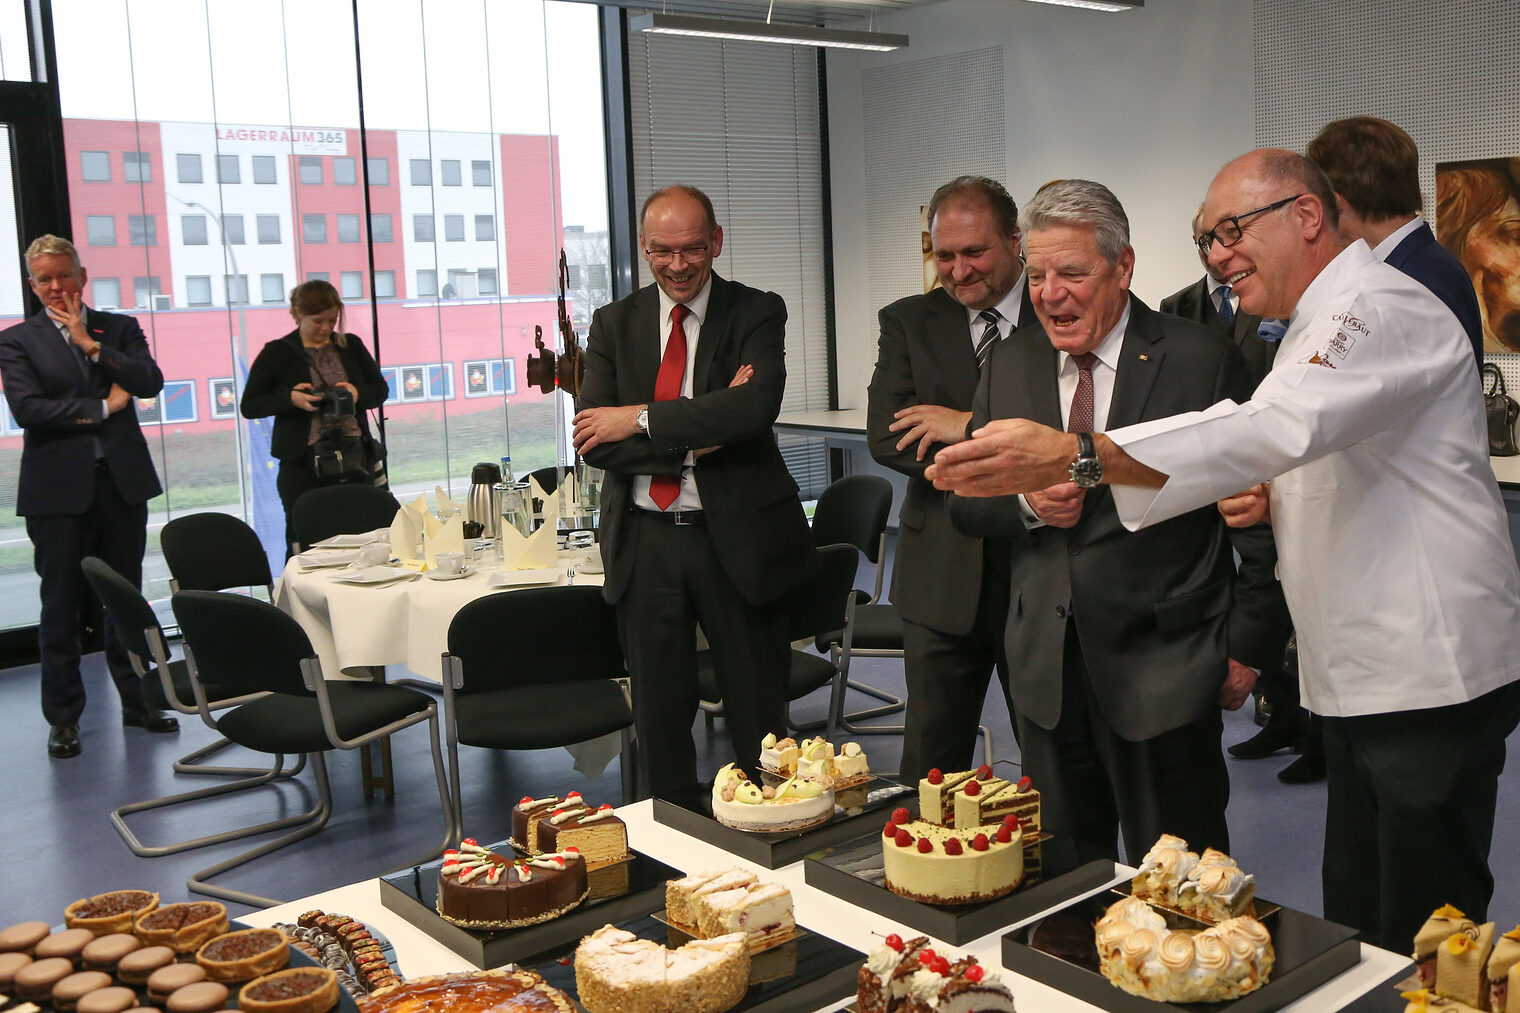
[[116, 532], [1093, 783], [947, 676], [678, 581], [293, 481], [1410, 815]]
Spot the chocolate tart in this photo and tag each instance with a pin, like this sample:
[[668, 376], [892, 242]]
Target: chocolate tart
[[244, 955], [293, 990], [182, 927], [471, 992], [109, 912]]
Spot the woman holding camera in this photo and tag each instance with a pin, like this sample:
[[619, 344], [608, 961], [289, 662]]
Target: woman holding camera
[[317, 382]]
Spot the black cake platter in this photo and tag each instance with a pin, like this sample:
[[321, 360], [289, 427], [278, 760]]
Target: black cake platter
[[807, 972], [1060, 951], [625, 890], [869, 806]]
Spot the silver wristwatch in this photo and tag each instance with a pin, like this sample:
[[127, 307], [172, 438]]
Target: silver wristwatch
[[643, 420], [1086, 470]]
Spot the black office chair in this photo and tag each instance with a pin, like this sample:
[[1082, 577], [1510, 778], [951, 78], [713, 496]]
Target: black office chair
[[212, 551], [341, 510], [166, 684], [244, 645], [533, 669], [819, 604]]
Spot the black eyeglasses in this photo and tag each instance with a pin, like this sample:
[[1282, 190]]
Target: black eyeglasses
[[1228, 231]]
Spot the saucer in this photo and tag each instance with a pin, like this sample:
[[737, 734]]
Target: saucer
[[437, 575]]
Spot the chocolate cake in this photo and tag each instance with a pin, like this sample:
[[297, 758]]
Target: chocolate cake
[[480, 889], [600, 837], [526, 814]]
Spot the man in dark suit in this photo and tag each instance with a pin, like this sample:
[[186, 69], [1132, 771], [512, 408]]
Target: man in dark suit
[[1374, 167], [700, 519], [70, 374], [951, 589], [1122, 645]]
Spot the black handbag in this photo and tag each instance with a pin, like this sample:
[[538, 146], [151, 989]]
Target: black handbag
[[1501, 410], [340, 459]]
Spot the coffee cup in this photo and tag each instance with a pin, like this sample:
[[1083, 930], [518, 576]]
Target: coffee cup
[[450, 562]]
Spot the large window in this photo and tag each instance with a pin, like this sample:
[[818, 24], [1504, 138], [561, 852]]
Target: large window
[[100, 230]]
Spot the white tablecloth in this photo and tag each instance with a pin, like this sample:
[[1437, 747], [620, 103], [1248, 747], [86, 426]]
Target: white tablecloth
[[418, 954], [405, 623]]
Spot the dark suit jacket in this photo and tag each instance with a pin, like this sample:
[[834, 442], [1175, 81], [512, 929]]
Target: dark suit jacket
[[925, 356], [59, 407], [749, 498], [282, 364], [1438, 269], [1158, 611], [1196, 303]]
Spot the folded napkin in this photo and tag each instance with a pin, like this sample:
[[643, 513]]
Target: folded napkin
[[536, 491], [445, 505], [418, 506], [538, 551], [406, 531], [447, 536]]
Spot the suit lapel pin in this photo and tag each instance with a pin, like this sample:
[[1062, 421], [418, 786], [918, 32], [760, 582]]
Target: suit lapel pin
[[1145, 358]]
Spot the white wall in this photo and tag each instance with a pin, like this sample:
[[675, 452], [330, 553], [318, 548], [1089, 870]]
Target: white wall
[[1150, 102]]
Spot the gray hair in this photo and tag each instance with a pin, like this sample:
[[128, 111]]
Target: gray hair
[[1080, 202], [50, 245]]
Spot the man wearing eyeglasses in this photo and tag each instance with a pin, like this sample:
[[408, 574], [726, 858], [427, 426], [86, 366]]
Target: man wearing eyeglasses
[[1393, 544], [700, 518]]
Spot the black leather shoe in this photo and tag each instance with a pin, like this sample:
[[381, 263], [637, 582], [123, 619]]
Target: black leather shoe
[[152, 720], [1305, 770], [63, 741], [1275, 736]]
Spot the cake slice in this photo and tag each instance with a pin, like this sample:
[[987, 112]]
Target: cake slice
[[815, 758], [988, 800], [851, 766], [1163, 870], [1505, 956], [1512, 991], [1216, 889], [681, 894], [936, 795], [778, 756], [1424, 1001], [616, 970], [873, 983], [1443, 921], [965, 986], [601, 837], [1462, 965], [762, 911], [525, 814]]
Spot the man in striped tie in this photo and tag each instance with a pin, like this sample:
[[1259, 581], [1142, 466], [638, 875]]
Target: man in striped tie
[[950, 589]]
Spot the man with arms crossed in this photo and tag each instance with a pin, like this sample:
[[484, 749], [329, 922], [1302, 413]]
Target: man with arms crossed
[[1392, 538]]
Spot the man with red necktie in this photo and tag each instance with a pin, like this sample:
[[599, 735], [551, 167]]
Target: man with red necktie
[[701, 523]]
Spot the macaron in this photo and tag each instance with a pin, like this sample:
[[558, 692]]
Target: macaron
[[135, 967], [171, 978], [10, 963], [115, 999], [202, 997], [68, 992], [23, 936], [104, 953], [36, 980], [68, 943]]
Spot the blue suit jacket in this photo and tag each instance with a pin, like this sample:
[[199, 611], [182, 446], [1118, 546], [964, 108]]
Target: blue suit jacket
[[1438, 269], [59, 406]]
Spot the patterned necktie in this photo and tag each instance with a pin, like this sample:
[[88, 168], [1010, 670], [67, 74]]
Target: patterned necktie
[[1272, 330], [1226, 309], [1080, 419], [664, 489], [989, 336]]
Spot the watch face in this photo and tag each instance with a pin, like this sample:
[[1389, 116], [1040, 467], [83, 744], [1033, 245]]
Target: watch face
[[1087, 472]]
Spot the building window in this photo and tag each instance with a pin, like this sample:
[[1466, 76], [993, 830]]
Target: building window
[[379, 171], [422, 228], [380, 229], [95, 166], [100, 230], [314, 228], [316, 276], [480, 170], [198, 290], [422, 172], [596, 275], [142, 230], [427, 283], [345, 171], [487, 280], [137, 167], [385, 284], [194, 229], [269, 229], [237, 288], [451, 176], [264, 170], [485, 228], [453, 228], [228, 170], [272, 287], [572, 276], [232, 230], [348, 228], [311, 170], [351, 284], [189, 168], [107, 292], [143, 291]]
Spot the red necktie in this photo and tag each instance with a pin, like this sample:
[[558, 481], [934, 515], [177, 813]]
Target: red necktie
[[664, 489], [1081, 418]]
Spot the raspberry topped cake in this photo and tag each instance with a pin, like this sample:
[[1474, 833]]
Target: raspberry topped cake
[[974, 798], [927, 862]]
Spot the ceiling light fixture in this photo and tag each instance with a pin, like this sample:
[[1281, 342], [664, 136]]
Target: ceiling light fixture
[[738, 30], [1108, 6]]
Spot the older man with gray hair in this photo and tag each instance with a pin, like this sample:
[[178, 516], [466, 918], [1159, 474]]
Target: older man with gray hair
[[1122, 646]]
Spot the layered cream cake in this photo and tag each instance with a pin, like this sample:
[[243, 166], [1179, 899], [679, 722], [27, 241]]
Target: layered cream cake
[[974, 798], [779, 756], [710, 904], [617, 972], [911, 978], [681, 894], [1503, 960], [1443, 921], [796, 804], [882, 982], [846, 769], [935, 864], [1139, 954], [1462, 965], [600, 836]]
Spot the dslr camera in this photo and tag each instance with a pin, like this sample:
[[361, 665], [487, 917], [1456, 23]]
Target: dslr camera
[[335, 404]]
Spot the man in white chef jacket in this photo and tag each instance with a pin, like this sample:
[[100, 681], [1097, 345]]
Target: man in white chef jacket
[[1394, 552]]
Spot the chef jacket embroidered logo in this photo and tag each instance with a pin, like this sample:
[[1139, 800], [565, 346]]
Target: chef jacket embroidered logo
[[1351, 323], [1340, 344], [1318, 359]]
